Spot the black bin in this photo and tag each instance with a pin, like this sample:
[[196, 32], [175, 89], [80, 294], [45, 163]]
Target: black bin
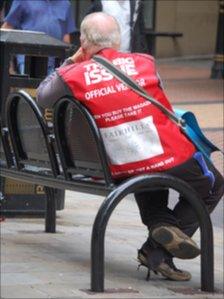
[[18, 198]]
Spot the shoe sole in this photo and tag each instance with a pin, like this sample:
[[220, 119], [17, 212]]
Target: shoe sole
[[165, 272], [142, 260], [172, 275], [181, 247]]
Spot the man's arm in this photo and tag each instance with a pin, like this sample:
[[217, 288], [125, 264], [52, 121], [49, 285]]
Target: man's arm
[[67, 38], [69, 25], [53, 87], [15, 15], [50, 90], [6, 25]]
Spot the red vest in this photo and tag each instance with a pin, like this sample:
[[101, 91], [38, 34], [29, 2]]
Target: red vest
[[138, 137]]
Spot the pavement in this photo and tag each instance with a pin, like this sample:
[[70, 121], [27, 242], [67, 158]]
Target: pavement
[[35, 264]]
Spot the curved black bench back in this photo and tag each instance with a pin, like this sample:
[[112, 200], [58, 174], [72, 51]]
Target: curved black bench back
[[29, 133], [2, 151], [6, 155], [79, 141]]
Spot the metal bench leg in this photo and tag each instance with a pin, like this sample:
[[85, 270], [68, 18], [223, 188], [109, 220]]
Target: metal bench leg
[[99, 228], [207, 249], [50, 214], [151, 181], [97, 243]]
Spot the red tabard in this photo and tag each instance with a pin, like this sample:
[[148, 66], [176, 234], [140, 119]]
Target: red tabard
[[138, 137]]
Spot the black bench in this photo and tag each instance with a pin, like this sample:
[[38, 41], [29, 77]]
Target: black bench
[[152, 35], [71, 156]]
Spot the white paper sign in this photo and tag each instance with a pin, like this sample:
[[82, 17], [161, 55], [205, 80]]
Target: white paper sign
[[131, 142]]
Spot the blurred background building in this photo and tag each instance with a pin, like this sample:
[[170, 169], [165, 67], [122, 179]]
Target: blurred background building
[[174, 28]]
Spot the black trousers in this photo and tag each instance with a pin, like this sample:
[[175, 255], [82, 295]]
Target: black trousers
[[153, 205]]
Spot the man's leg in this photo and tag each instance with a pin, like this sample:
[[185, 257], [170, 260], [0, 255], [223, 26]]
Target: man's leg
[[163, 225], [210, 196], [176, 240], [154, 211], [153, 207]]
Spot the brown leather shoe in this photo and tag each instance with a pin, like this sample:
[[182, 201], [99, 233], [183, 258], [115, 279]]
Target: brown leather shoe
[[166, 268], [175, 241]]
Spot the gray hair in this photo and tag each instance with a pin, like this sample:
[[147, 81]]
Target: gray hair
[[93, 31]]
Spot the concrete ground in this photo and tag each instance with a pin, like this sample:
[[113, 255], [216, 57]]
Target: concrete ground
[[35, 264]]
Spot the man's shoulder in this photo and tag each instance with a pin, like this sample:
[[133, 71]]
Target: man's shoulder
[[66, 68], [144, 56], [73, 68]]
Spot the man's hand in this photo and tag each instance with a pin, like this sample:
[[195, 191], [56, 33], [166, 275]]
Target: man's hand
[[6, 25], [79, 56]]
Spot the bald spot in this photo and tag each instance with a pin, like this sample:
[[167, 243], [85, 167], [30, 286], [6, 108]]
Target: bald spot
[[102, 22]]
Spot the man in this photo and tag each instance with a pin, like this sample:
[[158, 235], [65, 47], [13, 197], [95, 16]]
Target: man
[[129, 14], [54, 18], [138, 138]]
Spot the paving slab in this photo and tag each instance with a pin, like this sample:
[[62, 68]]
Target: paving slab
[[35, 264]]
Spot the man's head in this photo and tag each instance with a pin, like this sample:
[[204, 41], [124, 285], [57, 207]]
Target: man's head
[[98, 31]]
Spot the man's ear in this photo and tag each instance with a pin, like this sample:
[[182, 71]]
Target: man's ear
[[83, 43]]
